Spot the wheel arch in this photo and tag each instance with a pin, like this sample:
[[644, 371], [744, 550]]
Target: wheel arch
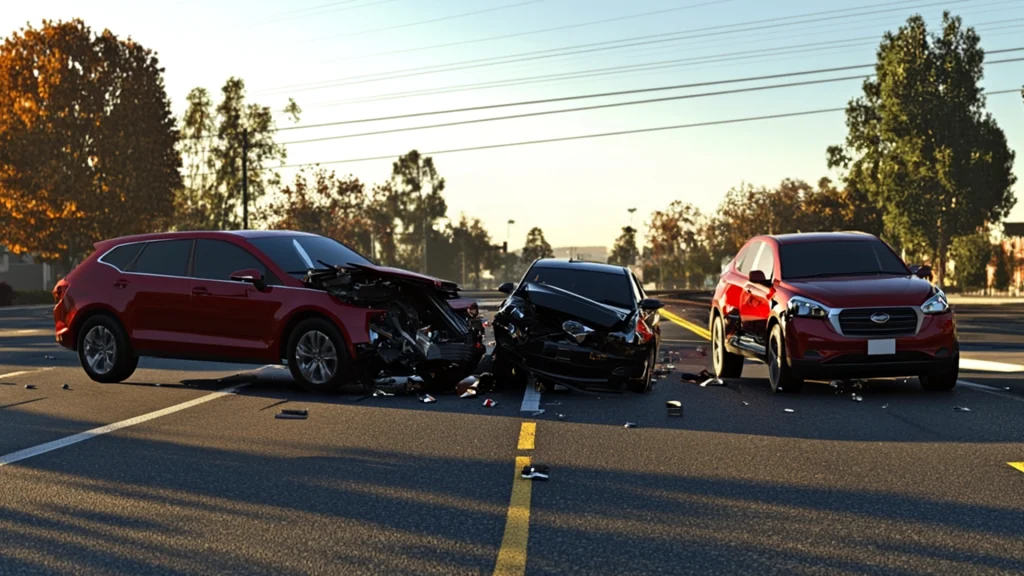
[[302, 315], [89, 312]]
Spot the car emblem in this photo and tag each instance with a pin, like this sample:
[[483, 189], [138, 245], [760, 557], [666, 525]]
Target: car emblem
[[880, 318]]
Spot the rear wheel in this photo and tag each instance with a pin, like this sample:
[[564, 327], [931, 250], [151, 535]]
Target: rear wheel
[[646, 382], [317, 357], [779, 374], [724, 363], [105, 351]]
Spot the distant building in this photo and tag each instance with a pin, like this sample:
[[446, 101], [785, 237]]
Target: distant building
[[22, 273], [588, 253], [1013, 245]]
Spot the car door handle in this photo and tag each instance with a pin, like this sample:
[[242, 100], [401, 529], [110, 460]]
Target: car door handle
[[121, 283], [200, 291]]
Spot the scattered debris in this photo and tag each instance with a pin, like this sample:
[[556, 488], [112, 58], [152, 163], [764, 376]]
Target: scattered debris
[[65, 387], [30, 386], [884, 406], [745, 403], [789, 410], [660, 370], [702, 351], [296, 412], [670, 367], [961, 409], [427, 399], [490, 403], [157, 385], [552, 403], [561, 416], [469, 393], [675, 407], [48, 357], [694, 378], [713, 382], [1006, 387], [536, 472], [290, 415], [538, 412], [378, 393], [856, 397], [630, 425]]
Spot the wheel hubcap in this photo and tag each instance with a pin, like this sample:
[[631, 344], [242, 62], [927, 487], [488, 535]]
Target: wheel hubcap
[[317, 357], [717, 346], [774, 367], [100, 349]]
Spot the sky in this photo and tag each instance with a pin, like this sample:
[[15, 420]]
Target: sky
[[347, 60]]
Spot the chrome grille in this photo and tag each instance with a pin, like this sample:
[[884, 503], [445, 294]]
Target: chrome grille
[[858, 322]]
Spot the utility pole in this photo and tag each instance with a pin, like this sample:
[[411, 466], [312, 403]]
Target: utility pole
[[508, 233], [426, 228], [245, 179]]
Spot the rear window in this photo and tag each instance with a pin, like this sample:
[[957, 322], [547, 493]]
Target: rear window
[[604, 287], [297, 254], [122, 256], [839, 258]]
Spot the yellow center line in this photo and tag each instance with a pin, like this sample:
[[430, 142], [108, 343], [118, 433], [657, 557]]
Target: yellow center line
[[698, 330], [512, 554], [1017, 465]]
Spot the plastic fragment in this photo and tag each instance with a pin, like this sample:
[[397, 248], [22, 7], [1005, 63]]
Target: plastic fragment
[[48, 357], [856, 397], [694, 378], [745, 403], [65, 387], [490, 403], [702, 351], [671, 366], [630, 425], [283, 416], [294, 412], [884, 406], [561, 416], [538, 412], [427, 399], [789, 410], [1006, 387], [30, 386], [535, 472], [469, 393], [714, 382], [961, 409], [675, 407], [379, 393]]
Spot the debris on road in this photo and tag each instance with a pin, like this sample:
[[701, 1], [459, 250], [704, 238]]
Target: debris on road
[[702, 351], [65, 387], [745, 403], [856, 397], [427, 399], [961, 409], [490, 403], [694, 378], [48, 357], [535, 472], [630, 425], [660, 370], [292, 415], [884, 406], [561, 416], [675, 407], [469, 393], [789, 410], [30, 386], [296, 412], [712, 382], [378, 393], [538, 412]]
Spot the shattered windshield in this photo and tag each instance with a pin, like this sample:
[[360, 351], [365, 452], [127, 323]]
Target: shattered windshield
[[297, 254], [604, 287], [839, 258]]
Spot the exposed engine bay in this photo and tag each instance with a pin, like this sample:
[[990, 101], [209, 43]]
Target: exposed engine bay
[[416, 337]]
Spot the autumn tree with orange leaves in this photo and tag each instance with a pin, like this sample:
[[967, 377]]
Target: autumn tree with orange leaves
[[87, 141]]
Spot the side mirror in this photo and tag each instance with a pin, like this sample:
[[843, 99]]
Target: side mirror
[[758, 277], [507, 288], [922, 271], [252, 276], [650, 304]]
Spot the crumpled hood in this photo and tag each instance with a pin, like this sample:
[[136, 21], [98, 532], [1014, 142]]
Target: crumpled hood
[[863, 291], [594, 314], [406, 275]]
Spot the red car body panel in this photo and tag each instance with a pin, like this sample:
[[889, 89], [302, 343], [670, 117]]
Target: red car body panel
[[751, 308], [186, 317]]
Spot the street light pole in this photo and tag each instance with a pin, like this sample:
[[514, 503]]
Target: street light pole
[[508, 236]]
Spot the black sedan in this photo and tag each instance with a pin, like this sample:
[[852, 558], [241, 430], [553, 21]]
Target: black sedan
[[579, 324]]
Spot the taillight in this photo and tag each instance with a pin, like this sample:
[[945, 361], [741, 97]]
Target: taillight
[[643, 333]]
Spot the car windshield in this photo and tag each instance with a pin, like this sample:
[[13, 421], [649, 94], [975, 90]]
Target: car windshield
[[605, 287], [297, 254], [839, 258]]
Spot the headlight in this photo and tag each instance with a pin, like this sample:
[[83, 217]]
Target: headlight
[[806, 308], [937, 304]]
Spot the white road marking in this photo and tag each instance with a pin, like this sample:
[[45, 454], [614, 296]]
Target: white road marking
[[989, 390], [22, 373], [988, 366], [83, 436], [531, 399]]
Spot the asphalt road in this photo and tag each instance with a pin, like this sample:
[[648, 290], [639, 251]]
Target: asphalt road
[[899, 483]]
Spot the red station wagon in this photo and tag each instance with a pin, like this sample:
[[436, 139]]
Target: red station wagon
[[264, 297], [831, 306]]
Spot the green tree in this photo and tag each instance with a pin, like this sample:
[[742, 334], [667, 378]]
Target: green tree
[[415, 199], [87, 141], [673, 235], [920, 143], [536, 247], [212, 144], [971, 255], [323, 203], [625, 251], [1004, 269], [474, 250]]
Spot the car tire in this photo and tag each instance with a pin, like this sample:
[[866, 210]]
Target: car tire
[[779, 374], [317, 356], [942, 381], [105, 351], [724, 364], [646, 383]]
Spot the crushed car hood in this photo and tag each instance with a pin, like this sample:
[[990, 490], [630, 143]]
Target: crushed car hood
[[584, 309], [400, 274], [860, 291]]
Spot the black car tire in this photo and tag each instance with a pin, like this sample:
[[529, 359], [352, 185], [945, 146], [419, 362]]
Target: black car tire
[[942, 381], [320, 342], [102, 338], [779, 374], [724, 364], [646, 383]]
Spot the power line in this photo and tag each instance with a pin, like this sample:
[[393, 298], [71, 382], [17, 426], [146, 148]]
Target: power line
[[532, 32], [587, 48], [283, 17], [431, 21], [603, 134]]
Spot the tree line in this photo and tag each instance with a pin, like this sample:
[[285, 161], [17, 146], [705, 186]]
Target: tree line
[[924, 166]]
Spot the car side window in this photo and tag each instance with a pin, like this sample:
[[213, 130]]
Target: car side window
[[123, 255], [217, 260], [766, 261], [748, 256], [164, 258]]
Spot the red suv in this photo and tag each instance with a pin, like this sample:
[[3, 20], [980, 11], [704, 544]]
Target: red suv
[[277, 297], [831, 306]]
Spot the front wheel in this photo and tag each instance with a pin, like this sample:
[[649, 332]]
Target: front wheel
[[105, 351], [942, 381], [779, 375], [724, 363], [317, 357]]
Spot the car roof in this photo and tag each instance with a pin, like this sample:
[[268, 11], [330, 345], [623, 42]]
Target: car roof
[[805, 237], [203, 234], [566, 264]]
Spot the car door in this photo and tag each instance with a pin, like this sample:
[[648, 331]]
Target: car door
[[757, 307], [735, 295], [154, 294], [237, 318]]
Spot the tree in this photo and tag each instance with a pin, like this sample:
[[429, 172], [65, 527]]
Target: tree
[[625, 252], [415, 198], [86, 141], [212, 143], [536, 246], [474, 251], [971, 255], [672, 235], [327, 205], [1004, 269], [920, 143]]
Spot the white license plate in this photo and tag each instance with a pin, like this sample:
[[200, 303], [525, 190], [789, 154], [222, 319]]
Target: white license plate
[[881, 347]]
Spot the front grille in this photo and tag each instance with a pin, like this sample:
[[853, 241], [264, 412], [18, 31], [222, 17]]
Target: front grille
[[858, 322]]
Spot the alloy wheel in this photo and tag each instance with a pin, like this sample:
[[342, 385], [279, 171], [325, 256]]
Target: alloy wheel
[[717, 346], [100, 349], [317, 357], [774, 361]]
